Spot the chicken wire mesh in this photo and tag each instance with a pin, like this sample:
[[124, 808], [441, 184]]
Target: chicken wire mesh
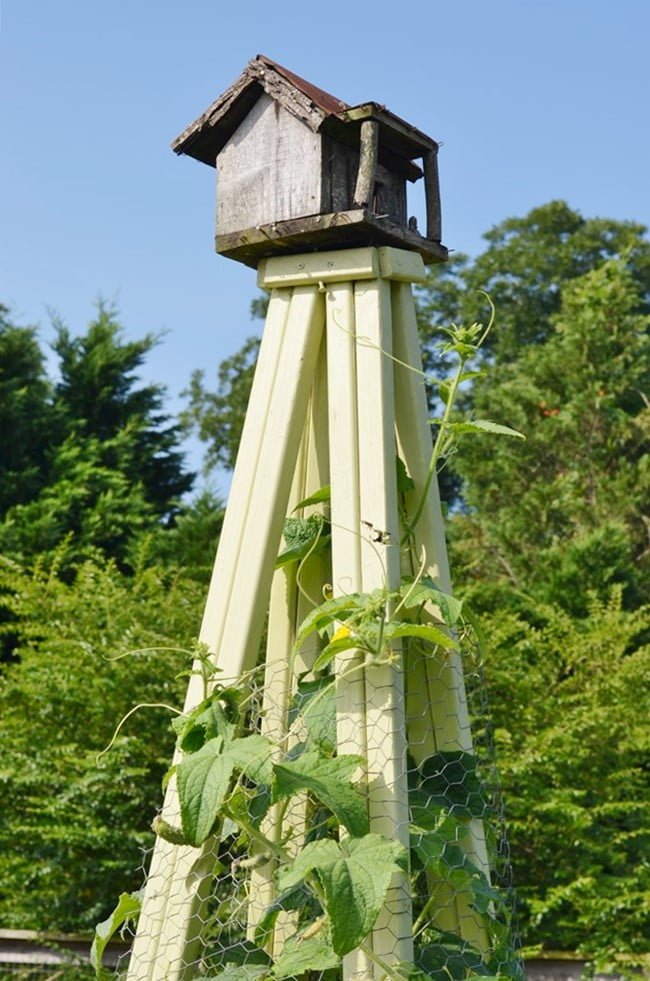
[[288, 880]]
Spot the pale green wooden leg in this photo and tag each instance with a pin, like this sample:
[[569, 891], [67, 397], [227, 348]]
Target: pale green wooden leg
[[380, 567], [437, 714], [291, 601], [167, 941], [370, 713], [346, 532]]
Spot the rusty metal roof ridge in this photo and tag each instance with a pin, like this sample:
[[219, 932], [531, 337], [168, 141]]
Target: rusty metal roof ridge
[[325, 101]]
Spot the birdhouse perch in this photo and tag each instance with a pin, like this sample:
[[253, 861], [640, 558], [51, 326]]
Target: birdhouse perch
[[299, 170]]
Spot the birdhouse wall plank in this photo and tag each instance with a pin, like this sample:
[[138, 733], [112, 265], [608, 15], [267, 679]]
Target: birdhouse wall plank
[[340, 164], [269, 170], [389, 197]]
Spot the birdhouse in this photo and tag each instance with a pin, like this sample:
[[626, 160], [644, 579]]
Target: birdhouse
[[298, 170]]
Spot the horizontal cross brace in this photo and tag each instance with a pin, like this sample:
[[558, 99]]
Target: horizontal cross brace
[[385, 262]]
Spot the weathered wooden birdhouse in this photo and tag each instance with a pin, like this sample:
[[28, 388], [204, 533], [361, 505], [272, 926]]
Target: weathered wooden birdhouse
[[299, 170]]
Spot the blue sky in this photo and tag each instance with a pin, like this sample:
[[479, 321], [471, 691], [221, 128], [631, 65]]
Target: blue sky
[[532, 100]]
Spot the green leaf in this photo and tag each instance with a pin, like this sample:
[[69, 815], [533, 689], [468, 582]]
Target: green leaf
[[205, 722], [452, 957], [468, 375], [246, 804], [429, 840], [127, 908], [404, 481], [295, 898], [425, 591], [451, 780], [423, 631], [336, 646], [444, 391], [355, 876], [483, 426], [204, 780], [413, 973], [315, 703], [329, 612], [313, 856], [438, 852], [320, 497], [423, 812], [329, 781], [301, 536], [252, 756], [243, 961], [203, 783], [239, 972], [299, 956]]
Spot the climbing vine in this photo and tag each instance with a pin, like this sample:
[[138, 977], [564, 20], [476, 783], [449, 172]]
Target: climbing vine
[[332, 884]]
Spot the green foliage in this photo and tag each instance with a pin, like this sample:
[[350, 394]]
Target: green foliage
[[218, 417], [99, 397], [355, 876], [128, 908], [571, 502], [302, 536], [28, 418], [551, 544], [89, 504], [524, 267], [72, 831], [329, 780], [569, 699], [190, 543], [90, 475], [526, 263], [337, 872], [93, 457]]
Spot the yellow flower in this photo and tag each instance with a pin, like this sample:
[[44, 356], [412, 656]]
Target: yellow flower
[[341, 633]]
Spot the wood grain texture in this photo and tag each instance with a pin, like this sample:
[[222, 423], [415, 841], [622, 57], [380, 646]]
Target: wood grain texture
[[432, 196], [268, 171], [369, 147], [437, 715], [345, 229]]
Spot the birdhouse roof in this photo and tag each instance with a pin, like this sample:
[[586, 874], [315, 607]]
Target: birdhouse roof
[[206, 136]]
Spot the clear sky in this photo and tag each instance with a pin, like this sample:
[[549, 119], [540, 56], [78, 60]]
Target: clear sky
[[532, 100]]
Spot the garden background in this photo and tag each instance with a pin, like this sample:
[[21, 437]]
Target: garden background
[[107, 538]]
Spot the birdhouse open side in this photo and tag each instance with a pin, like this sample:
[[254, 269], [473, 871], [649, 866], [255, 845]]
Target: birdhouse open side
[[299, 169]]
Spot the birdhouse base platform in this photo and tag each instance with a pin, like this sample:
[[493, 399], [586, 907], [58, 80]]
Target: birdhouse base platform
[[343, 229]]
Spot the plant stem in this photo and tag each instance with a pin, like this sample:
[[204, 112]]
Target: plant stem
[[422, 918], [380, 962], [270, 846], [437, 449]]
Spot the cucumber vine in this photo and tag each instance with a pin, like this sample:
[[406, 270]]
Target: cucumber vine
[[333, 884]]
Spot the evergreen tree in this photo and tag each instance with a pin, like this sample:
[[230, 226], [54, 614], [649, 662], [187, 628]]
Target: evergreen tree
[[568, 512], [92, 459], [28, 420], [99, 397]]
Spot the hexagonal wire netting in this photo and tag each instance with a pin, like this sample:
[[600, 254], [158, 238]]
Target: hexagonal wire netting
[[263, 911]]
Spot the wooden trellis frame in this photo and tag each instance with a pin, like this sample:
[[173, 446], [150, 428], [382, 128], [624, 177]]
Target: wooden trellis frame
[[337, 392]]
